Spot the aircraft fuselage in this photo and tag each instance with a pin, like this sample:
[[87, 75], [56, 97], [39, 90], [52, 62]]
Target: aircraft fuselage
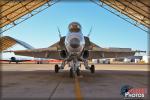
[[74, 40]]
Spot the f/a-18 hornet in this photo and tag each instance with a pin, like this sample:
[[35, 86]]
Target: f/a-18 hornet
[[75, 48]]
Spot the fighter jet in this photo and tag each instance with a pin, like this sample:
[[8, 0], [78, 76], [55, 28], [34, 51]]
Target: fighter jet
[[74, 49]]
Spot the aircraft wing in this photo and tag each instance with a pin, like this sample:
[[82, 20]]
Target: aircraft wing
[[52, 53], [98, 52]]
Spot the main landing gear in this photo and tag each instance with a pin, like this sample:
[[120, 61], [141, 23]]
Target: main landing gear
[[56, 68], [92, 69]]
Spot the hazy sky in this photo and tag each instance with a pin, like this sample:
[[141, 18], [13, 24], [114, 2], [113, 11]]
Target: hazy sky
[[108, 30]]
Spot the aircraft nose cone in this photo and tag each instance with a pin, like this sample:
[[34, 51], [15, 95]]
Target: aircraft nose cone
[[74, 43]]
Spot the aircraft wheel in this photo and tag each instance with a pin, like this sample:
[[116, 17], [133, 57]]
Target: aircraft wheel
[[71, 73], [92, 69], [56, 68], [78, 72]]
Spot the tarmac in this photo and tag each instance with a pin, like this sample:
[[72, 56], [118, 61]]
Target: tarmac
[[40, 82]]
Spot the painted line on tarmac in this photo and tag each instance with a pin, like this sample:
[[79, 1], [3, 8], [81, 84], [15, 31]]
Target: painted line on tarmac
[[77, 89], [54, 90]]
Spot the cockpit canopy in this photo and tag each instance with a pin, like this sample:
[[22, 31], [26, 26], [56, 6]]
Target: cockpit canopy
[[74, 27]]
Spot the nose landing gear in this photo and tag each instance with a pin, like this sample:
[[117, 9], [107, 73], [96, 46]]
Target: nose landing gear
[[73, 72], [78, 72]]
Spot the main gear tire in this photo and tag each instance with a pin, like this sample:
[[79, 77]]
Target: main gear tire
[[56, 68], [92, 69]]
